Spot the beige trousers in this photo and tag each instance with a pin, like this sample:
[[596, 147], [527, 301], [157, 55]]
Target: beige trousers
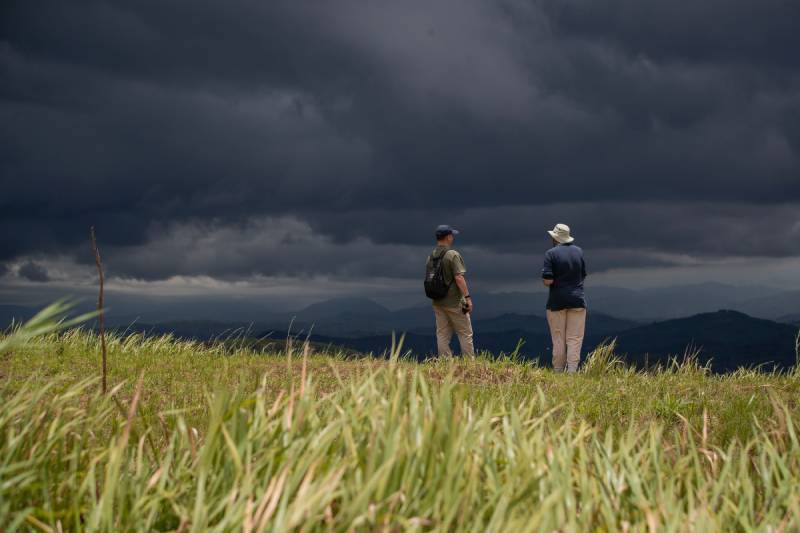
[[566, 329], [449, 320]]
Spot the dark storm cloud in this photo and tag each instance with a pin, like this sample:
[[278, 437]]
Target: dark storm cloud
[[701, 229], [712, 30], [33, 272], [650, 127]]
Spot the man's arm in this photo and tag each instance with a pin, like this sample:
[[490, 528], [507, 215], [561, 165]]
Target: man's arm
[[459, 269], [461, 282]]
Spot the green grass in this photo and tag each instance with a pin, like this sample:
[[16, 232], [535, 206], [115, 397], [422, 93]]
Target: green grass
[[224, 437]]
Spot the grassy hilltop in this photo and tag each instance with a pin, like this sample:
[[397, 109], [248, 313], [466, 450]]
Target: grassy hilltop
[[228, 438]]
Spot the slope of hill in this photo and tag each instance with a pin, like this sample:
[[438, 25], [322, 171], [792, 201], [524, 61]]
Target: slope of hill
[[338, 307], [729, 339]]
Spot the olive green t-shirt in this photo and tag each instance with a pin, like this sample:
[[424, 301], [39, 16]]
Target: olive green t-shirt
[[453, 264]]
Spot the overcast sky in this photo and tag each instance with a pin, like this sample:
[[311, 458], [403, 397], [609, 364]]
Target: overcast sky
[[307, 149]]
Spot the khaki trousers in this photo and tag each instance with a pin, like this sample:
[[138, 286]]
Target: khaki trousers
[[449, 320], [566, 328]]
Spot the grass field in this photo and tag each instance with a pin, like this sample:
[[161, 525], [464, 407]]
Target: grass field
[[195, 437]]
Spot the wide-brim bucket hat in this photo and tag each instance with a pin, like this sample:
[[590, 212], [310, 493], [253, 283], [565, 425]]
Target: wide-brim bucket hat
[[560, 233]]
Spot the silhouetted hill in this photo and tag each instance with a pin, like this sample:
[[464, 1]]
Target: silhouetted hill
[[338, 307], [729, 339]]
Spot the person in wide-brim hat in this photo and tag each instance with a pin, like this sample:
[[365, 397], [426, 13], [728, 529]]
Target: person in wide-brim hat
[[563, 273]]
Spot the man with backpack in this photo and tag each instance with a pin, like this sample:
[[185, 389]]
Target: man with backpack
[[446, 286]]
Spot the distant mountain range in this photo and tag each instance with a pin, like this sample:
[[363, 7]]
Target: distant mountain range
[[729, 338], [645, 305]]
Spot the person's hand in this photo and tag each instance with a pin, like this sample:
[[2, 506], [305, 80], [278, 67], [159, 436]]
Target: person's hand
[[468, 306]]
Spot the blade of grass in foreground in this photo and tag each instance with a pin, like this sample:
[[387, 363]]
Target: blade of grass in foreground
[[51, 318], [388, 450]]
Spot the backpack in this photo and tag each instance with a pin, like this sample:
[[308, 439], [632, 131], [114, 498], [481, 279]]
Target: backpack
[[435, 286]]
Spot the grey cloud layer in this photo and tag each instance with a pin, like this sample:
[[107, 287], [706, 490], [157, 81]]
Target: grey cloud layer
[[500, 245], [662, 128]]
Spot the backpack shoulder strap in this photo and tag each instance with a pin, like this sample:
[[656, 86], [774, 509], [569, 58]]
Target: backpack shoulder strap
[[448, 252]]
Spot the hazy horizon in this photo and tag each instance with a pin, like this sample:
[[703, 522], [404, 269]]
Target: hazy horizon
[[223, 305]]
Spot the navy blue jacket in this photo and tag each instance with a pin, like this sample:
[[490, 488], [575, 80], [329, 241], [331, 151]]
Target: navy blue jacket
[[565, 266]]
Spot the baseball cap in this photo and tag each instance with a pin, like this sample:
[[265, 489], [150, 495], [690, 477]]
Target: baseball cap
[[444, 230]]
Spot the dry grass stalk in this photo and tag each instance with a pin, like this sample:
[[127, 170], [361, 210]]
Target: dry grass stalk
[[306, 348], [100, 309]]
